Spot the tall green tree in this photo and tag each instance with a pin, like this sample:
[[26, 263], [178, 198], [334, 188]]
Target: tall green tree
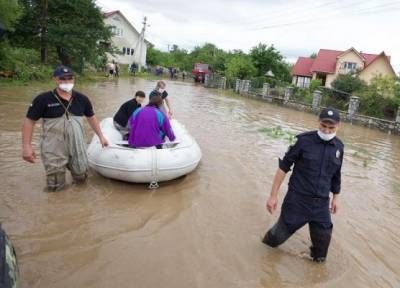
[[266, 58], [240, 67], [209, 54], [10, 10], [153, 55], [75, 30]]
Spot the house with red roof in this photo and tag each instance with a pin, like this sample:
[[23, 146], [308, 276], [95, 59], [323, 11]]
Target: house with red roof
[[330, 63], [126, 39]]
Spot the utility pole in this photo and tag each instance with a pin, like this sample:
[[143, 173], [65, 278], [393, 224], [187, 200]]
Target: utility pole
[[141, 43], [43, 31]]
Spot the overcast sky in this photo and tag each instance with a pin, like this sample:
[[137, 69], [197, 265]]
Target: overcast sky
[[296, 28]]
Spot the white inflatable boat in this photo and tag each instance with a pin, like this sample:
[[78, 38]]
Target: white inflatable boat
[[150, 165]]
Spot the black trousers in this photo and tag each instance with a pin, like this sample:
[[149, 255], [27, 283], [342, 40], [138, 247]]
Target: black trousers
[[298, 211]]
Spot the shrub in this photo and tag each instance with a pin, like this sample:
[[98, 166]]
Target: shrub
[[348, 83]]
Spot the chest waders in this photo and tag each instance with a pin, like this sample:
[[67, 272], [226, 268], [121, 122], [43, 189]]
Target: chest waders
[[63, 146]]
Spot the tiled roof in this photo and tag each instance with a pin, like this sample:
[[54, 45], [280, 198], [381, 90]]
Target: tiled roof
[[108, 14], [325, 62], [303, 67]]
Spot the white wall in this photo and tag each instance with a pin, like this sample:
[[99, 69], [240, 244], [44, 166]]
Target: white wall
[[129, 38]]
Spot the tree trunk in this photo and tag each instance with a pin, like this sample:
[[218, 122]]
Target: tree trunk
[[43, 34], [63, 56]]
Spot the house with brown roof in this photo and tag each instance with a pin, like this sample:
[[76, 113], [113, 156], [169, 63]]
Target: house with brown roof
[[330, 63]]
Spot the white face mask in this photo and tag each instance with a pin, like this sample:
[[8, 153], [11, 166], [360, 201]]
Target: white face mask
[[161, 90], [326, 137], [67, 87]]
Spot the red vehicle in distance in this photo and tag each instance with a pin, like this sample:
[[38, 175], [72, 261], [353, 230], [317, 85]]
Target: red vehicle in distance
[[199, 72]]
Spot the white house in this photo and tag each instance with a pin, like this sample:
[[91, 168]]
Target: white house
[[126, 39]]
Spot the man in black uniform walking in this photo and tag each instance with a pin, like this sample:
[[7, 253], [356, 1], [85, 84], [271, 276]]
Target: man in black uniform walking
[[317, 157]]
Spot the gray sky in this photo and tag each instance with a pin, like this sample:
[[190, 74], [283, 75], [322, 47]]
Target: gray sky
[[296, 28]]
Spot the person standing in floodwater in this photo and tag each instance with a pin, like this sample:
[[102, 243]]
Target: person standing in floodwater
[[317, 157], [62, 142]]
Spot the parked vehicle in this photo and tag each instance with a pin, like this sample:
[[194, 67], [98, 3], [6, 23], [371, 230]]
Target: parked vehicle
[[199, 72]]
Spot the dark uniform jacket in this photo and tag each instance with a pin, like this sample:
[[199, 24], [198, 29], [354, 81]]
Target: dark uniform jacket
[[317, 165], [125, 112]]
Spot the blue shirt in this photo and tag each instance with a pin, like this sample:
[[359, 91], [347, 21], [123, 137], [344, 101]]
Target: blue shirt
[[317, 165]]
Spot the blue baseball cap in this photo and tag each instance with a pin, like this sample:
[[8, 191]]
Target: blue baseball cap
[[62, 71]]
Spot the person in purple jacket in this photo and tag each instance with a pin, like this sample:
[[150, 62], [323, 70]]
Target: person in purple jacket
[[149, 126]]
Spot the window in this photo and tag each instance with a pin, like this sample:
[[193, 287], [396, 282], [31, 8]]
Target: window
[[128, 51], [123, 50], [303, 82], [350, 66], [117, 31], [132, 51]]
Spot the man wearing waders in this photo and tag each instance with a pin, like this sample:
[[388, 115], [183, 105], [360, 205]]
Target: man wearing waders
[[62, 142], [317, 157]]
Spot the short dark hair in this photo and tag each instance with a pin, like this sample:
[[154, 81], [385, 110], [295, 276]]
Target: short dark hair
[[155, 101], [140, 94]]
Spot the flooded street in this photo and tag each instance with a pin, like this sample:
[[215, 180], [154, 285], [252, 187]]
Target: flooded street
[[203, 230]]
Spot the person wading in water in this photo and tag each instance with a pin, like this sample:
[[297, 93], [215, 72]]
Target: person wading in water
[[317, 157], [63, 136]]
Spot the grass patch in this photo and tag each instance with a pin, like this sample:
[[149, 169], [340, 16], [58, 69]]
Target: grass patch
[[277, 132]]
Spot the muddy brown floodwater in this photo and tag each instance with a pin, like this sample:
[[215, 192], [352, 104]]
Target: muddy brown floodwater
[[205, 229]]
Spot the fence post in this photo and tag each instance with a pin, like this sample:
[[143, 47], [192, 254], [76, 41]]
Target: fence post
[[398, 116], [265, 90], [316, 102], [237, 85], [247, 86], [242, 83], [206, 80], [288, 94], [353, 106], [242, 86], [222, 83]]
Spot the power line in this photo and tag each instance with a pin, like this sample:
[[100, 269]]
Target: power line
[[324, 17], [285, 13], [368, 10], [306, 18], [280, 11]]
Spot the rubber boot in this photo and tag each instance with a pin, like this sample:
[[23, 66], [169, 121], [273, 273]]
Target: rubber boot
[[56, 181], [278, 234], [79, 179], [320, 239]]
